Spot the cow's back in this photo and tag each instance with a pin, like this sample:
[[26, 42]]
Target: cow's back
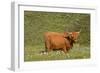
[[56, 34]]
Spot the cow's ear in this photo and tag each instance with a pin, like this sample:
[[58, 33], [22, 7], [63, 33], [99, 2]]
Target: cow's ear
[[66, 34], [78, 33]]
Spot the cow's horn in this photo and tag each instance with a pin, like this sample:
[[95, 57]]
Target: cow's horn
[[80, 30]]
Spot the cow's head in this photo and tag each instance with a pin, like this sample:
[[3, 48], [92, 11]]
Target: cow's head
[[74, 36]]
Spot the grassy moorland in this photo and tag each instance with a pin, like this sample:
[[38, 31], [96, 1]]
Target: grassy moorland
[[37, 23]]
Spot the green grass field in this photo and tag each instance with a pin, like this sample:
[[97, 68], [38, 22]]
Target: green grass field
[[37, 23], [77, 52]]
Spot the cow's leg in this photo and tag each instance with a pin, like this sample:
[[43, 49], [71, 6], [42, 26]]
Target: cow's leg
[[47, 47], [64, 50], [68, 49]]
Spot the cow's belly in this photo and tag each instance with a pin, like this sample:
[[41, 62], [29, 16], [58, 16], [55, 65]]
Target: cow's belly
[[57, 45]]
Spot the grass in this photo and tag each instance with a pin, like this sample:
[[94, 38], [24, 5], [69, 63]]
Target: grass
[[77, 52]]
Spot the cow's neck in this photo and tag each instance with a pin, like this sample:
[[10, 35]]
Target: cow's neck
[[70, 41]]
